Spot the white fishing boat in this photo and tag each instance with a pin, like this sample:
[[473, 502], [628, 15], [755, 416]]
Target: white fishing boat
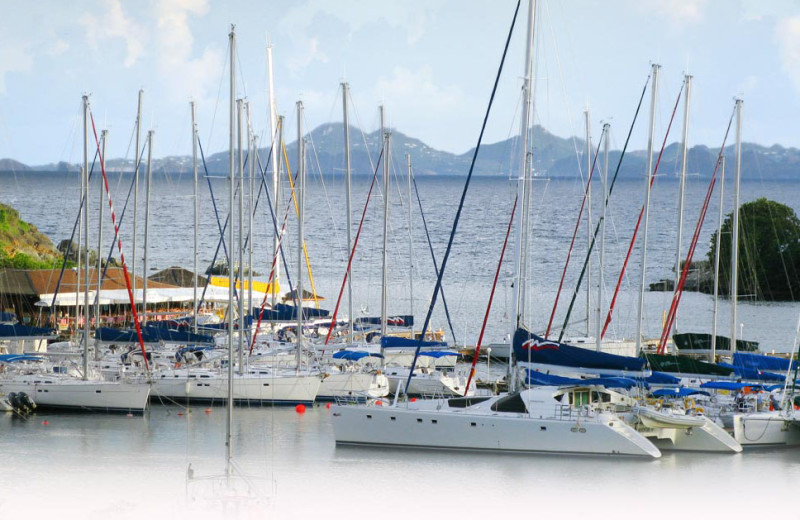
[[533, 420]]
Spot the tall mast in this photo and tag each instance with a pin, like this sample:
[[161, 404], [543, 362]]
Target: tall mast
[[589, 226], [277, 150], [385, 134], [301, 185], [735, 230], [345, 96], [410, 246], [524, 180], [196, 216], [137, 164], [85, 192], [648, 176], [103, 141], [684, 161], [240, 244], [231, 180], [716, 260], [147, 220], [278, 201], [251, 140], [601, 256]]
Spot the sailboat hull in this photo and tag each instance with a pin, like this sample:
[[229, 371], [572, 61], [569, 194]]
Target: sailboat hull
[[76, 394], [765, 429]]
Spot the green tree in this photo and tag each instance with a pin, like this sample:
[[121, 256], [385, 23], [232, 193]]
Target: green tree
[[769, 252]]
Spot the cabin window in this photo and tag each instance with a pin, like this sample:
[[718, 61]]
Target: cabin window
[[369, 416], [97, 391], [419, 420], [473, 424], [266, 384], [393, 418], [463, 402], [579, 398], [434, 421], [512, 403], [543, 428]]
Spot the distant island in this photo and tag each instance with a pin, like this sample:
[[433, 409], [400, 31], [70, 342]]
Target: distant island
[[553, 157]]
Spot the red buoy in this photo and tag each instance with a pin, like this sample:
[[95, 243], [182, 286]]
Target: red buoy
[[300, 408], [328, 406], [45, 423], [208, 410], [180, 414], [378, 403], [413, 399]]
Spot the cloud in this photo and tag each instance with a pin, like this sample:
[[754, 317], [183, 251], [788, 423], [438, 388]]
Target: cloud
[[13, 59], [309, 52], [787, 34], [112, 24], [184, 75], [57, 48]]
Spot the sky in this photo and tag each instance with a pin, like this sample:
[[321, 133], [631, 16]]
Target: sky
[[432, 63]]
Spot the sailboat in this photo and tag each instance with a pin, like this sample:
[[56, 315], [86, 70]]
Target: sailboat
[[530, 420]]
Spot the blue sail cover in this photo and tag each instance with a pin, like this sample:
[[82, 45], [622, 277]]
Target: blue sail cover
[[394, 321], [19, 331], [662, 378], [150, 334], [18, 358], [283, 312], [535, 349], [398, 342], [762, 362], [678, 392], [437, 354], [729, 385], [753, 374], [541, 379]]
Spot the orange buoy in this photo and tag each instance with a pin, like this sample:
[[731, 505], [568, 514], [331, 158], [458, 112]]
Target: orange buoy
[[378, 403], [300, 408], [208, 410]]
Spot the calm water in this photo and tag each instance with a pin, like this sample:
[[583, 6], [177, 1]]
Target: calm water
[[98, 466]]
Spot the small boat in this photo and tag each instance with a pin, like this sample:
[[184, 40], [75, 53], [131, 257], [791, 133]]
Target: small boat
[[652, 418]]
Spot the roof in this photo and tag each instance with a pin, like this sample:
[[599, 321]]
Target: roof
[[177, 276], [36, 282]]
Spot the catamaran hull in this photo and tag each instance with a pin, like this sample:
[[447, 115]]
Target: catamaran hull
[[246, 390], [393, 426], [765, 429], [357, 386], [707, 437], [84, 395]]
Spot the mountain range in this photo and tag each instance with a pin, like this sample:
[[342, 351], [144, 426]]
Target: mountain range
[[553, 157]]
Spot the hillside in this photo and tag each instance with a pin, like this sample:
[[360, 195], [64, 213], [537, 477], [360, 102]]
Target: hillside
[[22, 246], [554, 156]]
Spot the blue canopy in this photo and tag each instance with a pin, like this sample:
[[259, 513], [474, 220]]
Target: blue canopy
[[398, 342], [662, 378], [354, 355], [530, 347], [678, 392], [753, 374], [283, 312], [729, 385], [439, 354], [395, 321], [541, 379], [17, 358], [150, 334]]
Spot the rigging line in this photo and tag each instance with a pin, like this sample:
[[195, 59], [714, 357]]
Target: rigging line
[[491, 297], [121, 254], [676, 298], [639, 220], [71, 237], [297, 212], [440, 274], [574, 235], [605, 202], [280, 235], [352, 254], [433, 255]]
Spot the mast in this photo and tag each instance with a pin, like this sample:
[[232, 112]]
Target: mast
[[103, 140], [231, 179], [523, 186], [278, 200], [137, 164], [85, 216], [345, 96], [601, 255], [589, 226], [240, 244], [648, 176], [684, 161], [301, 189], [385, 134], [196, 216], [251, 140], [277, 150], [147, 220], [735, 230], [716, 260], [411, 248]]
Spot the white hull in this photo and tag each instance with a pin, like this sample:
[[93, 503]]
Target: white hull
[[765, 429], [435, 424], [433, 383], [353, 385], [702, 435], [209, 386], [81, 395]]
